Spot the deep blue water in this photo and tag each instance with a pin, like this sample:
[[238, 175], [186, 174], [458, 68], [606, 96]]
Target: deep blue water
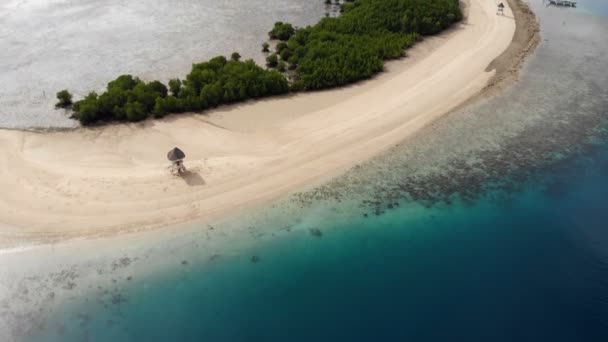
[[533, 267]]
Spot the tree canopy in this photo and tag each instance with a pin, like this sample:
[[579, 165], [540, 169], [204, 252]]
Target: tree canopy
[[209, 84], [64, 99], [334, 52], [281, 31], [353, 46]]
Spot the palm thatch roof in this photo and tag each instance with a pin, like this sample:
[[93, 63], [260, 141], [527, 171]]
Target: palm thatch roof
[[175, 154]]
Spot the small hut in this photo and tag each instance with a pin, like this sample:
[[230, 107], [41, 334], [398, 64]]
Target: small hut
[[176, 157], [501, 9]]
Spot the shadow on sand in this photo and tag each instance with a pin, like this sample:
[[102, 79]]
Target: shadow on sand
[[192, 178]]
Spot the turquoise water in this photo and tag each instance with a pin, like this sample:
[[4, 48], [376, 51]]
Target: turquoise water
[[525, 266], [489, 226]]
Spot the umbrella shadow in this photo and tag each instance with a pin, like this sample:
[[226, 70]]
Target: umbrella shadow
[[192, 178]]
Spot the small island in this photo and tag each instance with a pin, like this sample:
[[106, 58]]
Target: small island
[[334, 52]]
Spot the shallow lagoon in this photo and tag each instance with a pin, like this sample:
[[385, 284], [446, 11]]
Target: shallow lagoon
[[49, 45]]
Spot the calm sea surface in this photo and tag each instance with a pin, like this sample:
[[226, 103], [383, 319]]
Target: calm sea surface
[[49, 45], [489, 226]]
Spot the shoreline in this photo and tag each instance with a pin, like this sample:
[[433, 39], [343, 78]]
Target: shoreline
[[508, 64], [110, 180]]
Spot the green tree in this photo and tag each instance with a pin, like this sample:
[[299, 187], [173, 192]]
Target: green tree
[[124, 82], [235, 56], [281, 67], [110, 104], [212, 94], [281, 46], [64, 99], [144, 96], [281, 31], [159, 88], [173, 105], [174, 86], [272, 60], [87, 110], [286, 54], [135, 111], [160, 108]]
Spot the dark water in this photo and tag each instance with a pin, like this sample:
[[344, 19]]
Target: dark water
[[525, 262]]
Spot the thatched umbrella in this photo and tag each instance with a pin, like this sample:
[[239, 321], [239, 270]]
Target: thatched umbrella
[[501, 9], [175, 154]]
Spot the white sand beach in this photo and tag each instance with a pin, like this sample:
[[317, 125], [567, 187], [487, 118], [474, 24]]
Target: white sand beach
[[105, 180]]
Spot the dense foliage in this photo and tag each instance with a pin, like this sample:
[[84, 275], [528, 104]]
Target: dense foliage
[[209, 84], [272, 60], [334, 52], [281, 31], [341, 50]]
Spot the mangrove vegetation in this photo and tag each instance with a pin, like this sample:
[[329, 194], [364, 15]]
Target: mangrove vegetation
[[334, 52], [64, 99]]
